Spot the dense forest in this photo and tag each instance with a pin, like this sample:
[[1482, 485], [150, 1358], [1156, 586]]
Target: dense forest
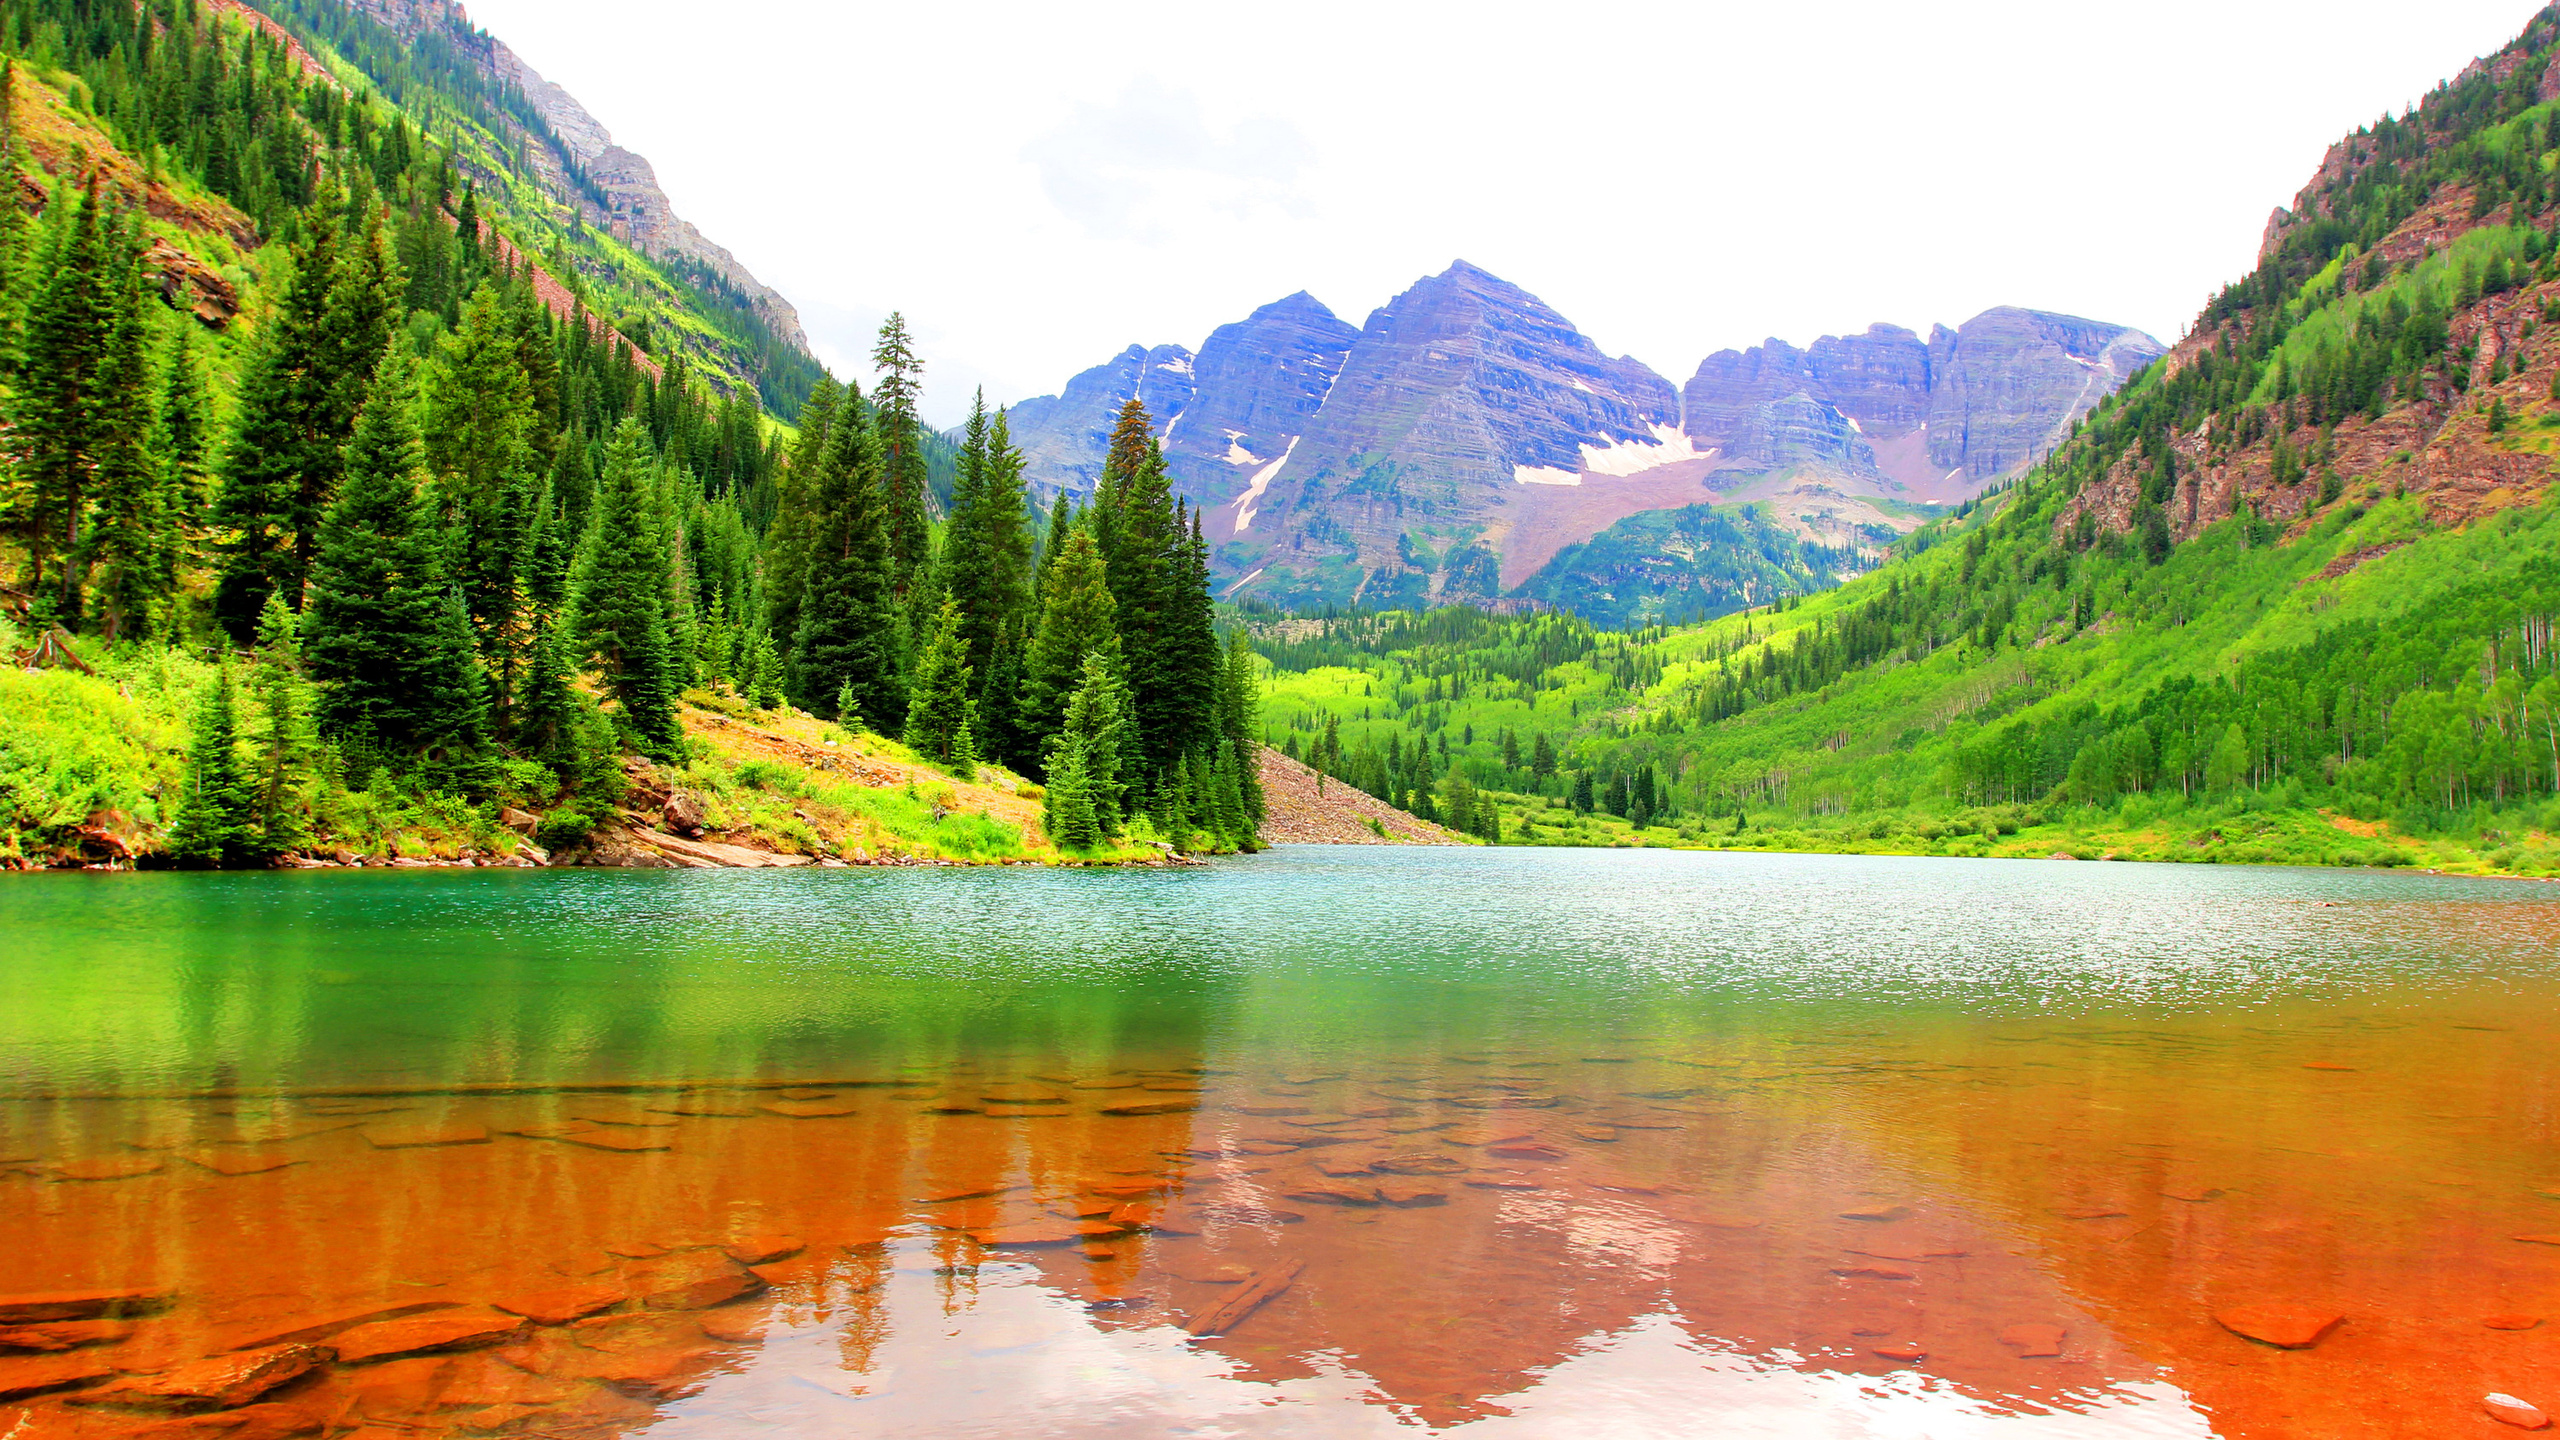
[[433, 535]]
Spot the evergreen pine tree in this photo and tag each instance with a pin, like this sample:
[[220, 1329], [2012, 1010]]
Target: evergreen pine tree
[[986, 546], [374, 636], [1066, 806], [286, 750], [786, 538], [479, 430], [183, 434], [764, 691], [1239, 719], [1090, 740], [1078, 621], [938, 702], [548, 712], [216, 822], [63, 376], [848, 641], [621, 590], [284, 450], [129, 535], [902, 462], [999, 729]]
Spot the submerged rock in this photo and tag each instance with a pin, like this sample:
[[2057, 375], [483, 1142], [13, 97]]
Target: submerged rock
[[2508, 1410], [2285, 1326], [462, 1328], [217, 1382]]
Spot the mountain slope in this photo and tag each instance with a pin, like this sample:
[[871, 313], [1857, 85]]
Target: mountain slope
[[548, 165], [1469, 444], [2290, 594]]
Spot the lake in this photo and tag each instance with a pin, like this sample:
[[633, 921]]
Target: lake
[[1324, 1142]]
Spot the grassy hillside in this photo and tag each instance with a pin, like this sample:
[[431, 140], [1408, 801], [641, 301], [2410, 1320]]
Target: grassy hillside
[[91, 765], [2287, 596]]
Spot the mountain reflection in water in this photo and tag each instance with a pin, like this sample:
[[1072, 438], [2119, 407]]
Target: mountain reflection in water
[[1314, 1144]]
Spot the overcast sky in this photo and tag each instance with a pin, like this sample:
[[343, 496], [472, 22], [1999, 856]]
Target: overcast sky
[[1038, 185]]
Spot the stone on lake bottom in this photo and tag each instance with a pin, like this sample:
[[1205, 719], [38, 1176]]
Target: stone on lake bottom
[[1501, 1180], [569, 1302], [1905, 1352], [1216, 1274], [1881, 1214], [462, 1328], [695, 1281], [217, 1382], [2285, 1326], [2508, 1410], [1334, 1195], [1030, 1233], [35, 1374], [108, 1167], [1407, 1195], [1342, 1165], [739, 1325], [765, 1249], [2034, 1342], [422, 1136], [1153, 1107], [624, 1115], [41, 1306], [63, 1335], [628, 1142], [1530, 1151], [811, 1109], [241, 1162], [1419, 1165], [2511, 1322]]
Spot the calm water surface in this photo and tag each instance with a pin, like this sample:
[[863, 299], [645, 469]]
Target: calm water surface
[[1320, 1143]]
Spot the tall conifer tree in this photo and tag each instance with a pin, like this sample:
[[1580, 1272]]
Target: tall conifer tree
[[1080, 619], [284, 448], [622, 593], [848, 641], [374, 638], [987, 544], [216, 822], [129, 533], [902, 462], [63, 378]]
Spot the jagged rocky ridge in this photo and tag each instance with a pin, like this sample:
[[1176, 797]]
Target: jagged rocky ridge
[[1469, 444], [615, 189]]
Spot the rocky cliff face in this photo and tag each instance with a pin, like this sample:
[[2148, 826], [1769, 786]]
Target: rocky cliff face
[[621, 193], [1933, 420], [1468, 437]]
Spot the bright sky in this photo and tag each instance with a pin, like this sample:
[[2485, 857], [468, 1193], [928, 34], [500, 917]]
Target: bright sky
[[1037, 185]]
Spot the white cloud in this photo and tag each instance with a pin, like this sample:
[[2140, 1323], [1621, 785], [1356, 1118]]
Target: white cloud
[[1036, 186], [1134, 169]]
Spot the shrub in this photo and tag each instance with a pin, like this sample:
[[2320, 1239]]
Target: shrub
[[564, 829]]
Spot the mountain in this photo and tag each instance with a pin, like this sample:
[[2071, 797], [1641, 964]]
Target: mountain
[[2287, 595], [1939, 419], [578, 161], [1468, 443], [538, 156]]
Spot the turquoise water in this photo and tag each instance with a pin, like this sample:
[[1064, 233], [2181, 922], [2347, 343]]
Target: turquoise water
[[2114, 1096]]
